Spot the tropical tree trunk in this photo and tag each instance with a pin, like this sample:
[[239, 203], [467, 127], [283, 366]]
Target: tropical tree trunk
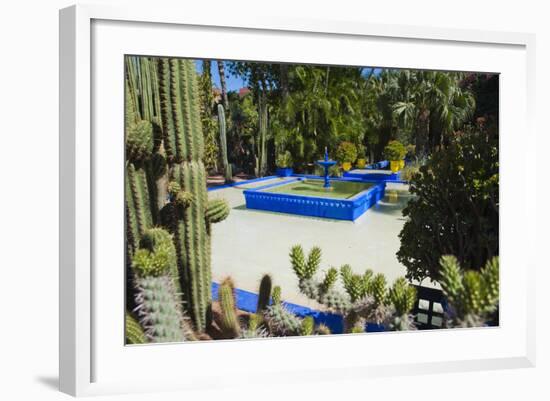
[[262, 133], [422, 132]]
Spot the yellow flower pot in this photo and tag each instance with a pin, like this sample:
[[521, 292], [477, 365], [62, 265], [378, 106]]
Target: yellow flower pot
[[401, 164], [361, 163], [394, 165], [346, 166]]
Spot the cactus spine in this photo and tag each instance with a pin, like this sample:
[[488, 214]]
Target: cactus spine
[[223, 144]]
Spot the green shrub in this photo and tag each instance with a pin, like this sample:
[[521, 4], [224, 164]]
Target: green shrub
[[346, 152], [395, 150], [361, 153], [284, 160], [455, 209]]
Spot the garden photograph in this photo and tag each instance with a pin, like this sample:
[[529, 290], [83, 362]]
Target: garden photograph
[[269, 199]]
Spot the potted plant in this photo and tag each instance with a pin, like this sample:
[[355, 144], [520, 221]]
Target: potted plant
[[284, 164], [395, 152], [346, 154], [361, 157]]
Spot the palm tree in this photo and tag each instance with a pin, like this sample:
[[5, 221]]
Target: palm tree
[[432, 105]]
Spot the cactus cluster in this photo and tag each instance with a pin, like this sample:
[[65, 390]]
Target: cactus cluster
[[166, 187], [473, 295], [158, 302], [366, 297]]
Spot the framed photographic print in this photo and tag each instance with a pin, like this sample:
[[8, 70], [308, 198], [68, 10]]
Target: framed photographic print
[[335, 198]]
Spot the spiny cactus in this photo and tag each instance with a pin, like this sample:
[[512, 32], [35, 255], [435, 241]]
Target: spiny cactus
[[335, 301], [229, 320], [323, 330], [378, 289], [223, 144], [255, 328], [157, 247], [305, 269], [365, 299], [310, 288], [158, 303], [138, 198], [331, 276], [473, 295], [308, 326], [264, 294], [188, 217], [402, 297], [134, 331], [277, 295], [354, 284], [159, 310], [217, 210], [139, 141], [280, 320]]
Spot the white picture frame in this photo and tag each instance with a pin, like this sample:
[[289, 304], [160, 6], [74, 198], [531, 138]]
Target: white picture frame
[[91, 363]]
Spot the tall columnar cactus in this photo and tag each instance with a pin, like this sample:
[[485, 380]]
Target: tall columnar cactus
[[158, 304], [264, 294], [138, 199], [223, 144], [229, 320], [189, 212], [473, 295]]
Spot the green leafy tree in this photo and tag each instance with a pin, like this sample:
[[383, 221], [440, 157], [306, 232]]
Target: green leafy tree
[[209, 122], [456, 206]]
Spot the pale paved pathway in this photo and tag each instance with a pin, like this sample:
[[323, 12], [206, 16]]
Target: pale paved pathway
[[250, 243]]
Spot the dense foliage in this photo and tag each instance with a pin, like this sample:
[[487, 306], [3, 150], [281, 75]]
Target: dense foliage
[[456, 206], [346, 152], [394, 150]]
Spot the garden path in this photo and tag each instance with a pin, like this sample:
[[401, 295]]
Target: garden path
[[250, 243]]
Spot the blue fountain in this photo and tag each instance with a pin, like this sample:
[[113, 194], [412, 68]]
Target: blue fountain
[[326, 164]]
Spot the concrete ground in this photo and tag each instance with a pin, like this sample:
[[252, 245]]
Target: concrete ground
[[250, 243]]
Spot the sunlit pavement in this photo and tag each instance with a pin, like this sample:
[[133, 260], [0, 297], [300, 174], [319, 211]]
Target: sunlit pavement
[[250, 243]]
